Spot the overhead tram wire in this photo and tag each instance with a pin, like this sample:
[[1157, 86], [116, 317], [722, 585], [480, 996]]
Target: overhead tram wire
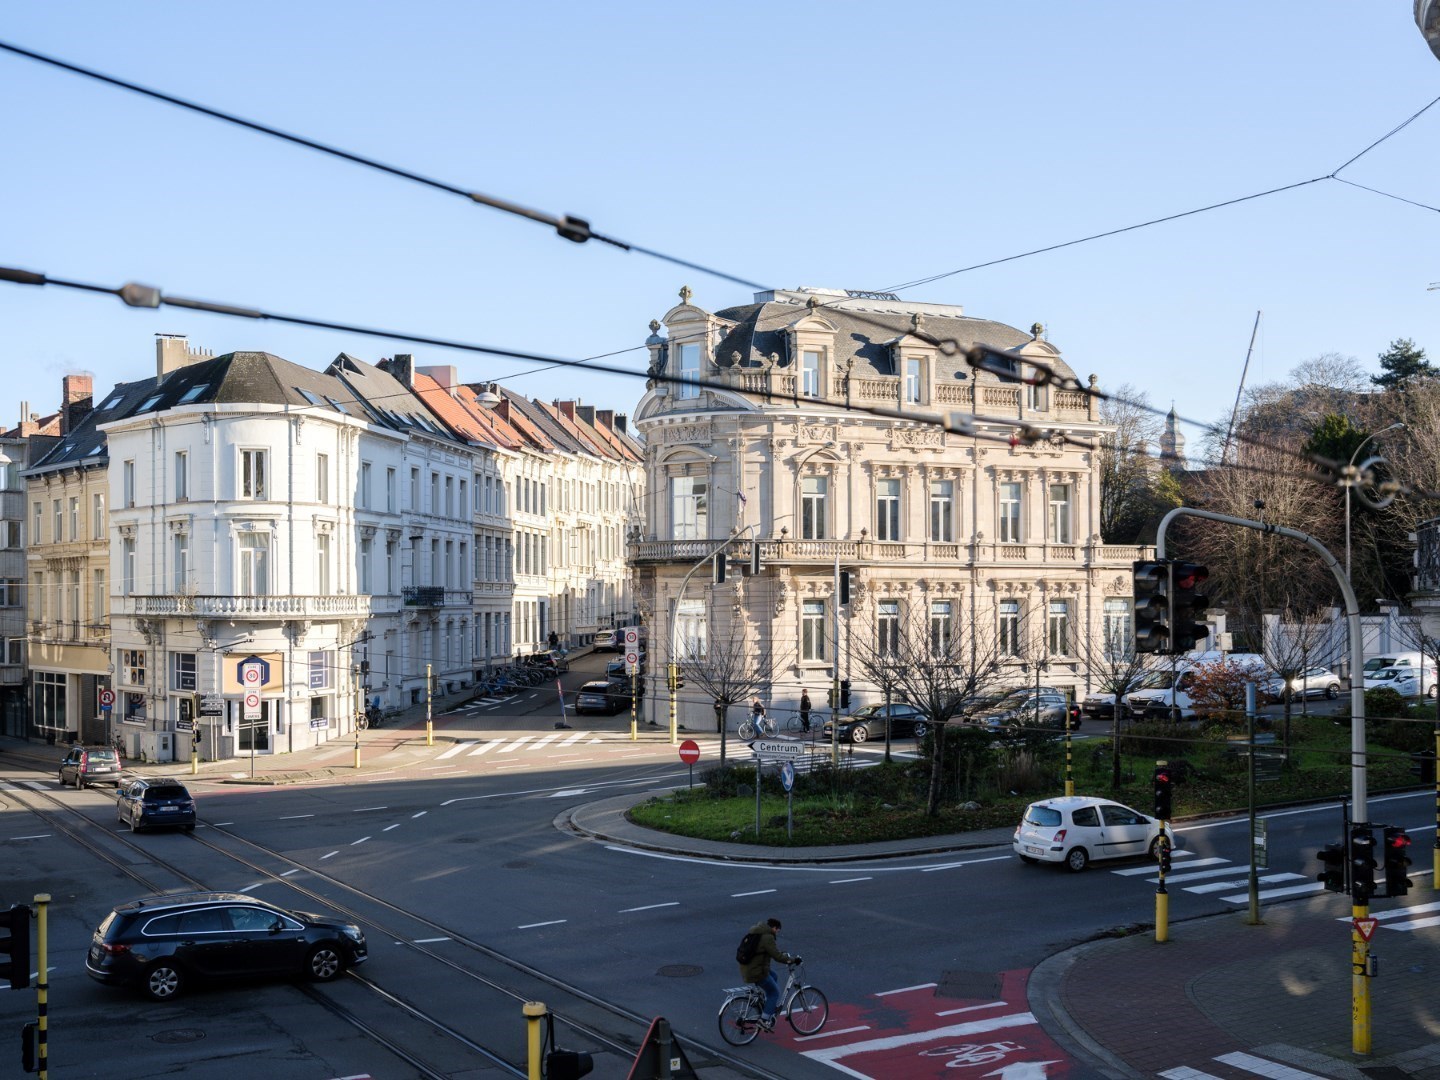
[[575, 229], [980, 357]]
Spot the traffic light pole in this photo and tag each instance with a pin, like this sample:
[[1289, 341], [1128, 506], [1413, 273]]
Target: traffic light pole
[[1360, 948]]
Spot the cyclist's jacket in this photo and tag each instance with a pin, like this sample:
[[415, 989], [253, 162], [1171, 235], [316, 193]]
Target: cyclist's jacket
[[759, 965]]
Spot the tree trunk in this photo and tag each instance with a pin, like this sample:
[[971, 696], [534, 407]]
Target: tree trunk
[[1115, 747], [937, 765]]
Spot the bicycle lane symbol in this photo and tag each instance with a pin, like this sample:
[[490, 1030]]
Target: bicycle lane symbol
[[917, 1036]]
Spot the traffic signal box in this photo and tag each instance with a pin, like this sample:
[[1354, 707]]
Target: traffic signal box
[[1397, 859], [1333, 858], [15, 946], [1187, 606], [1362, 863], [1162, 852], [844, 693], [1151, 589], [1163, 789]]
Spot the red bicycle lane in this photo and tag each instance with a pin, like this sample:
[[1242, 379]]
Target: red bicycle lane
[[915, 1033]]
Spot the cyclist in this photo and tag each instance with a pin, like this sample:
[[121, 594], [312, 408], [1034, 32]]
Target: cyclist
[[757, 969], [757, 712]]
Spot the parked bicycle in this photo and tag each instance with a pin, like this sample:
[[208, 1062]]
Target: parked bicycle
[[806, 1007], [750, 729]]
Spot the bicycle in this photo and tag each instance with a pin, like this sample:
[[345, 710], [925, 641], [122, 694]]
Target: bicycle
[[794, 725], [750, 729], [806, 1007]]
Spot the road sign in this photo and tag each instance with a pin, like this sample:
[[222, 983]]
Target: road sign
[[787, 775], [107, 698], [689, 751], [632, 661], [212, 705], [1365, 927], [319, 723], [778, 747], [186, 726], [252, 674], [252, 705], [632, 636]]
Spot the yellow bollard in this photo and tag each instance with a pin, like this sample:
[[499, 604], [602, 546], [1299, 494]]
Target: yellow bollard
[[534, 1012], [194, 758], [1162, 916], [42, 984], [1360, 1023], [357, 742]]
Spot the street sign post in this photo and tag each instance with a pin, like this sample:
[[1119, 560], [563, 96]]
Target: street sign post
[[212, 705], [689, 754], [252, 704]]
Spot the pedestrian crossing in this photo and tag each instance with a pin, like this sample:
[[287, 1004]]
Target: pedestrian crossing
[[476, 748], [1415, 917], [1245, 1063], [1212, 875]]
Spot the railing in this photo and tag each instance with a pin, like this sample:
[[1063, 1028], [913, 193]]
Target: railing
[[954, 394], [423, 596], [11, 674], [245, 606], [1005, 397], [887, 552], [1072, 401]]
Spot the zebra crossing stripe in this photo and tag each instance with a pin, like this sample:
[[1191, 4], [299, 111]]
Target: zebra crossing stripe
[[456, 749], [521, 741], [1270, 894], [1220, 886], [575, 738], [1261, 1067], [1399, 913], [1136, 871], [483, 748], [1197, 875], [1184, 1072], [544, 741]]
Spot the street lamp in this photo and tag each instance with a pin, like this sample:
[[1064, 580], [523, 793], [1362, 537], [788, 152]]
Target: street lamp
[[1397, 426]]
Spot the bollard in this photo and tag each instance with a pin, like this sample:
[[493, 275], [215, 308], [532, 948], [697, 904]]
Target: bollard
[[42, 984], [534, 1012]]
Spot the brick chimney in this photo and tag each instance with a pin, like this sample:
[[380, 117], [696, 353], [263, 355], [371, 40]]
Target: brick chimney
[[566, 409], [586, 413], [402, 367], [605, 418], [173, 352], [621, 422]]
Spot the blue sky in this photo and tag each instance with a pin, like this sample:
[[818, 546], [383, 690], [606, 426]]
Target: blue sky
[[842, 145]]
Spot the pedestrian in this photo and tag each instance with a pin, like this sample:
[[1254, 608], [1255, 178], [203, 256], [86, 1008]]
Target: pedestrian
[[757, 971], [554, 640], [804, 710]]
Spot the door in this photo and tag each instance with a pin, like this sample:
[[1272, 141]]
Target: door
[[199, 939], [1123, 831], [273, 944]]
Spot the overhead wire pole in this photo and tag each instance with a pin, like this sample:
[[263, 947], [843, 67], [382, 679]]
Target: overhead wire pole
[[1360, 1011]]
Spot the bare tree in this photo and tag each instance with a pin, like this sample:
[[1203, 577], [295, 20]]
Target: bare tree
[[1292, 643], [938, 665], [730, 665], [1118, 670]]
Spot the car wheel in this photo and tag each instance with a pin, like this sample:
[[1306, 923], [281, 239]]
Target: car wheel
[[163, 981], [1076, 859], [859, 733], [1432, 691], [1332, 691], [921, 729], [324, 963], [1155, 849]]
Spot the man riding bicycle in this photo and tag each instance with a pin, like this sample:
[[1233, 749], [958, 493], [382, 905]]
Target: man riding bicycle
[[757, 969]]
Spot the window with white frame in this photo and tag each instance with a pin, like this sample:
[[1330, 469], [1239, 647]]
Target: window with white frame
[[1009, 521], [322, 479], [132, 666], [1009, 628], [942, 627], [74, 532], [1057, 628], [887, 509], [12, 592], [182, 671], [390, 491], [99, 600], [1060, 513], [942, 511], [414, 488], [253, 478], [887, 627], [812, 630], [180, 545], [10, 535], [127, 473], [689, 386], [253, 549], [449, 496], [127, 566], [810, 373], [182, 476], [1119, 641], [36, 518], [914, 369], [323, 561], [50, 707], [689, 508], [59, 519], [1034, 394], [691, 630], [389, 567], [813, 492], [435, 493], [366, 544], [97, 516]]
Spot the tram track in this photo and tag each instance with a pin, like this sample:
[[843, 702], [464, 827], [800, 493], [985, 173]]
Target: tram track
[[605, 1026]]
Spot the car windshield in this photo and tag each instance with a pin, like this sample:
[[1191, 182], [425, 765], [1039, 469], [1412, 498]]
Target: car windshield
[[1376, 663], [1385, 674], [1044, 817], [169, 791], [869, 712]]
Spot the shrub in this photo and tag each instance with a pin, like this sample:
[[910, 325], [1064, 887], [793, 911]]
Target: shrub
[[1407, 736], [1155, 738], [1382, 703]]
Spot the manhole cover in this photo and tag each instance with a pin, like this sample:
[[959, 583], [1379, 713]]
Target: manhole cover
[[680, 971], [179, 1035]]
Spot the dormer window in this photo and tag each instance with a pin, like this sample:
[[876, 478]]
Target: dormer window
[[689, 386], [810, 373], [914, 370]]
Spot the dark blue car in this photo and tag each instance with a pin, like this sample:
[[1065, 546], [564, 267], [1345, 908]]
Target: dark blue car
[[144, 804]]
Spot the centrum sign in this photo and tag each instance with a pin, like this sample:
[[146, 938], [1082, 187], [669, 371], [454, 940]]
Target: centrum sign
[[778, 748]]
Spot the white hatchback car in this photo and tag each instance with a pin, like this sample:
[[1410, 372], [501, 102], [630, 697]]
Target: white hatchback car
[[1405, 681], [1073, 829]]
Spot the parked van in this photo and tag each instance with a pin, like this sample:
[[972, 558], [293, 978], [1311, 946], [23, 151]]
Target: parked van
[[1396, 659], [1173, 702]]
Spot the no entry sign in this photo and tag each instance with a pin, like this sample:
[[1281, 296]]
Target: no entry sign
[[689, 751]]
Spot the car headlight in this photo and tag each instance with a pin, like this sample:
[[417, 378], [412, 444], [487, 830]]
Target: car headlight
[[353, 933]]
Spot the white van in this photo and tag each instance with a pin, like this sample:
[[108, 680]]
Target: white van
[[1166, 701], [1396, 659]]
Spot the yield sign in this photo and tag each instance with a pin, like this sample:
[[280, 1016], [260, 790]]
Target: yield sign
[[1365, 927]]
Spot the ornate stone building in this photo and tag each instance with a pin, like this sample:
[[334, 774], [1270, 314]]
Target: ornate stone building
[[807, 420]]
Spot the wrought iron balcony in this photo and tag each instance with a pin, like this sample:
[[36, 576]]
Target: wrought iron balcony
[[423, 596]]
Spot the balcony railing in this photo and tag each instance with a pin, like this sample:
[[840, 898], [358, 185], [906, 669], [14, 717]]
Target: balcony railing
[[11, 674], [241, 607], [880, 553], [424, 596]]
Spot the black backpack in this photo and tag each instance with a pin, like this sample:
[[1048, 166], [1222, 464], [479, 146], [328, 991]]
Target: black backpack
[[748, 947]]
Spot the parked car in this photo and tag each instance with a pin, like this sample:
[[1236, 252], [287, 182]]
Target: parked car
[[161, 943], [606, 641], [617, 669], [1099, 705], [602, 696], [1028, 707], [868, 722], [1312, 682], [157, 801], [86, 765], [1075, 829], [1406, 681]]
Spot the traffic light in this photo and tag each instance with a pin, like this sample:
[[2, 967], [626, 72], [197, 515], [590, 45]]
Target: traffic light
[[1362, 864], [1163, 786], [673, 681], [833, 699], [719, 560], [755, 556], [1332, 858], [844, 587], [1397, 858], [1151, 588], [15, 946], [1187, 606], [27, 1048], [1162, 852]]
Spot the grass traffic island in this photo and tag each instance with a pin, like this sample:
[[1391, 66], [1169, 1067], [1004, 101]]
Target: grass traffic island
[[987, 785]]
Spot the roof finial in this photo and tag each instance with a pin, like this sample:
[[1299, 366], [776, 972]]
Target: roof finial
[[654, 326], [1037, 331], [685, 293]]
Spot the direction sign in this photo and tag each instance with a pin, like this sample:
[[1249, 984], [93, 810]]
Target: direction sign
[[107, 698], [186, 726], [1365, 927], [252, 705], [778, 747], [212, 705], [689, 751]]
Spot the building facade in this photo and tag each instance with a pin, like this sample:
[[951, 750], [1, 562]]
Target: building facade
[[808, 420]]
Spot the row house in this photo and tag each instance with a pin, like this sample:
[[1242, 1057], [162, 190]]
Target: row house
[[801, 438]]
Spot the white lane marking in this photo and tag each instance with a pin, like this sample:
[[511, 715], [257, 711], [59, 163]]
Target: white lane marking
[[1184, 1072], [1399, 913], [902, 990], [35, 836], [569, 791], [287, 873], [1198, 875], [389, 827], [1237, 883], [521, 741], [547, 739], [248, 888], [849, 880], [324, 857], [649, 907], [831, 1034], [1136, 871], [367, 809], [574, 738], [483, 748], [422, 813], [757, 892], [360, 841], [39, 786], [458, 748], [965, 862], [1267, 894], [533, 925], [532, 697], [972, 1008], [767, 866], [295, 817], [1260, 1067], [429, 940], [830, 1055]]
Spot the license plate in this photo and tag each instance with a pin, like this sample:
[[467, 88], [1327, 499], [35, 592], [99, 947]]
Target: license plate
[[95, 954], [165, 809], [1031, 849]]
